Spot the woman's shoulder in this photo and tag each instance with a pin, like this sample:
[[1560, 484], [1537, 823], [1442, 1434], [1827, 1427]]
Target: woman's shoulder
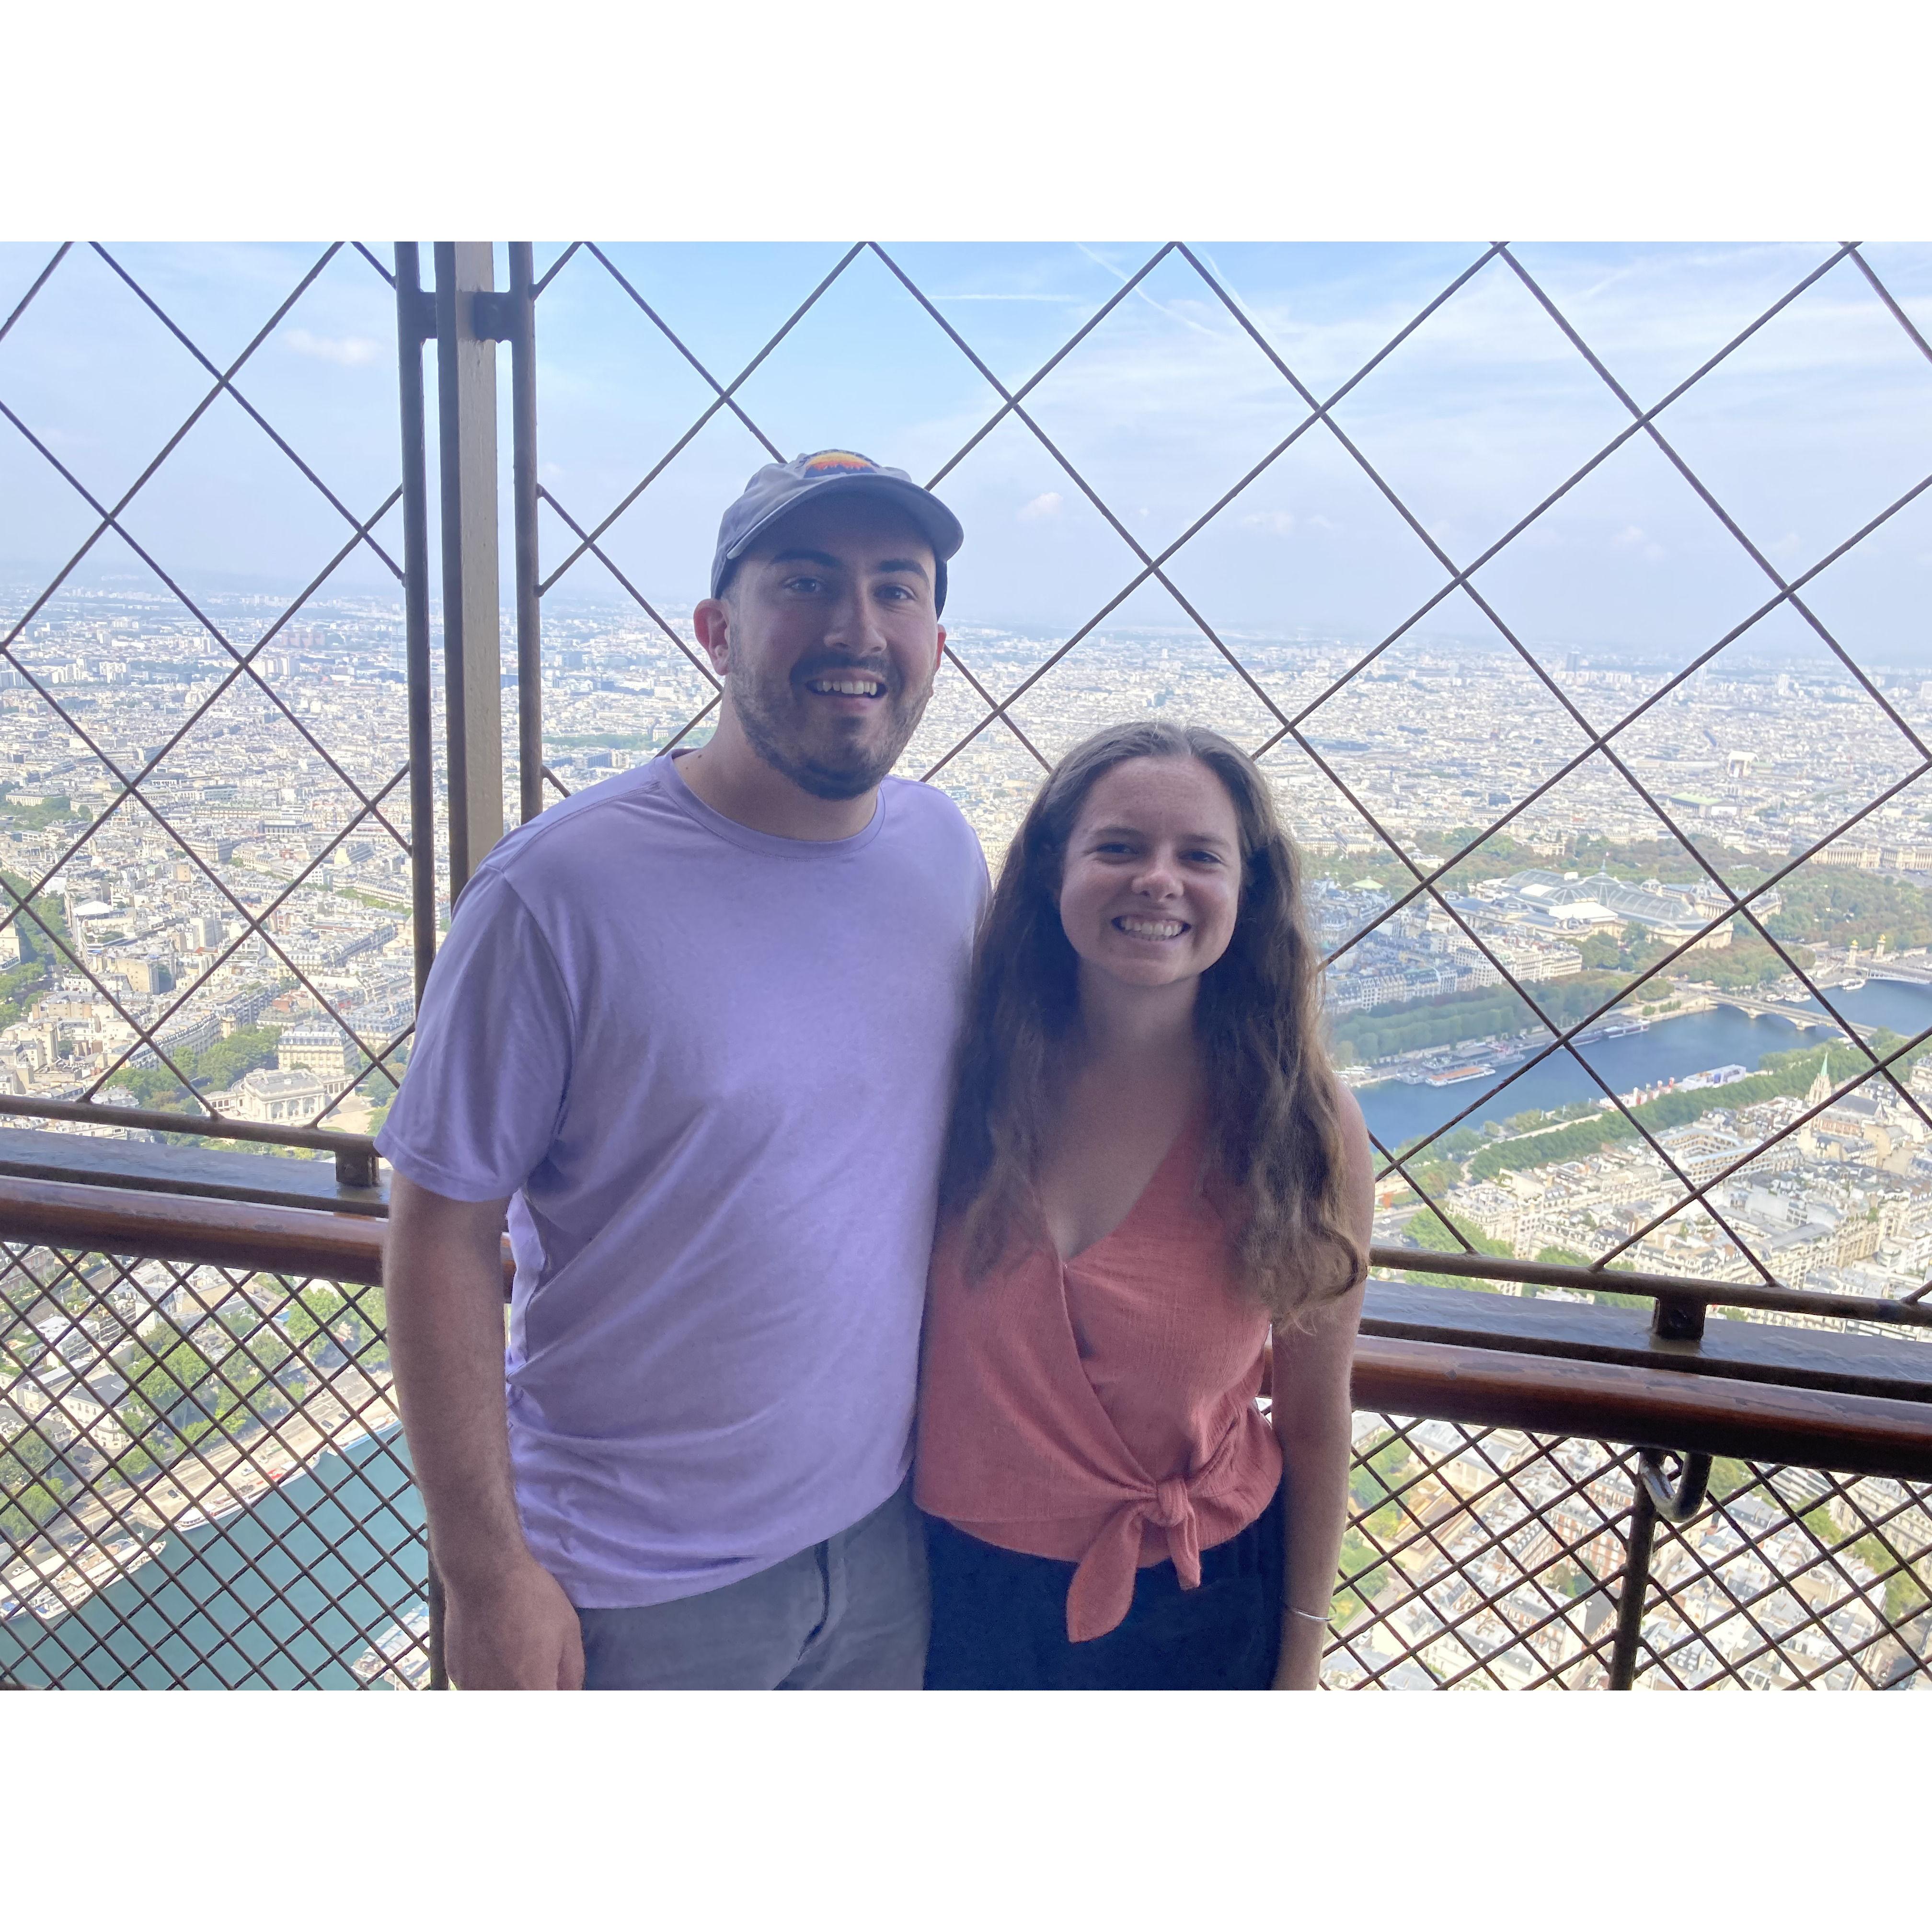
[[1355, 1126]]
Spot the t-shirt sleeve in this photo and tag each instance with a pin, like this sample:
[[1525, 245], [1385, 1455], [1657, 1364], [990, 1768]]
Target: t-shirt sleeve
[[491, 1063]]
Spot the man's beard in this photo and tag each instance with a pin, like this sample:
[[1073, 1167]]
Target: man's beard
[[766, 709]]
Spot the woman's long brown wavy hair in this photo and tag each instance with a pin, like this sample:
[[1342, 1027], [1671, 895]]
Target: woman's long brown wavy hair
[[1276, 1137]]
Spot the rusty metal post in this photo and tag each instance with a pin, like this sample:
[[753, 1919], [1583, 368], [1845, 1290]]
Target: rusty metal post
[[522, 319], [1635, 1590], [466, 364], [415, 325]]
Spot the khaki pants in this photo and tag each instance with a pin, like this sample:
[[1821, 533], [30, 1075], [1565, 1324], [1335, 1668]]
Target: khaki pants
[[851, 1613]]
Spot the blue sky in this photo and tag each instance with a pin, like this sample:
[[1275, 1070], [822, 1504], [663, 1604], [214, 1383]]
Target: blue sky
[[1804, 433]]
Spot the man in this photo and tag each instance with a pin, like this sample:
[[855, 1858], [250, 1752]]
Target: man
[[693, 1030]]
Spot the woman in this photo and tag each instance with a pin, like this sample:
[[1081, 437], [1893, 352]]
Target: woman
[[1151, 1170]]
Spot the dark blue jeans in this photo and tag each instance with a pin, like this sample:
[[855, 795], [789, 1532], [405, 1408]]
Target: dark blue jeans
[[999, 1619]]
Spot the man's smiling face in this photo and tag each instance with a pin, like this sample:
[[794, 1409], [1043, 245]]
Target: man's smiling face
[[832, 642]]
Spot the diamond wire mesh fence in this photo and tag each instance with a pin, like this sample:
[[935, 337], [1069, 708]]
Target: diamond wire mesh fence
[[201, 1481], [209, 785], [1489, 1559]]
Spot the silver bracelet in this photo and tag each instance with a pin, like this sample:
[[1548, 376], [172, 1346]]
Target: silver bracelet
[[1309, 1615]]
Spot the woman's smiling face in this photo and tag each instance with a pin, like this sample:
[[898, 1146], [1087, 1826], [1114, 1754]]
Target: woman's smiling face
[[1152, 875]]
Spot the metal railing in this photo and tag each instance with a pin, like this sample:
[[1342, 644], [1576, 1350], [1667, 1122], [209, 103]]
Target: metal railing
[[202, 1483]]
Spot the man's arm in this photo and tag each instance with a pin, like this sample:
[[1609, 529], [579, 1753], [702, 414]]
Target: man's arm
[[507, 1625]]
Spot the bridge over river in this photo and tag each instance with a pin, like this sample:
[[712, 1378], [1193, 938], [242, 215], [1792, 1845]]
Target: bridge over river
[[1783, 1009], [1913, 969]]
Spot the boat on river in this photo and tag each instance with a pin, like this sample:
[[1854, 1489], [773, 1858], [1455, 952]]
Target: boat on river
[[1454, 1076]]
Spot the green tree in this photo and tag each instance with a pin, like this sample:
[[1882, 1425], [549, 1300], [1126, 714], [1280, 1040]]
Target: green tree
[[214, 1070], [1729, 1478], [42, 931], [1428, 1230], [36, 817], [174, 1402], [1908, 1584], [1382, 1469], [31, 1475], [1601, 953]]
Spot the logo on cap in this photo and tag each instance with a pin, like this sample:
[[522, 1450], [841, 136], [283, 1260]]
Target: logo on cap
[[836, 462]]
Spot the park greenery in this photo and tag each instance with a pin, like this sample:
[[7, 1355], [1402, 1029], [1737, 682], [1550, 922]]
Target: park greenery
[[1835, 905], [1748, 962], [23, 982], [602, 741], [1437, 1229], [1779, 1075], [35, 818], [215, 1069], [182, 1389], [1407, 1026], [1383, 1469]]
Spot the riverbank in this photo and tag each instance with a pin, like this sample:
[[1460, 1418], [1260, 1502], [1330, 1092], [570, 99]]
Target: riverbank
[[294, 1589], [1687, 1041]]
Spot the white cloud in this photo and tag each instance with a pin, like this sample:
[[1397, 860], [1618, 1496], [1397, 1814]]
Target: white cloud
[[352, 351], [1279, 521], [1628, 538], [1041, 508]]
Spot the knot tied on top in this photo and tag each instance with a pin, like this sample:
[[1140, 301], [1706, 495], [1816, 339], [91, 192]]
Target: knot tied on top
[[1171, 1505], [1102, 1589]]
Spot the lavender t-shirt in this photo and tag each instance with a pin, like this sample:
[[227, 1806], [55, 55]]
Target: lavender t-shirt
[[711, 1067]]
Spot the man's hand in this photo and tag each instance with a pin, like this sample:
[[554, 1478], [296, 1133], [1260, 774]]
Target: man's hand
[[517, 1633]]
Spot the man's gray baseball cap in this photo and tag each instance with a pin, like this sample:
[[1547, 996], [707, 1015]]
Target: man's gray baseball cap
[[780, 488]]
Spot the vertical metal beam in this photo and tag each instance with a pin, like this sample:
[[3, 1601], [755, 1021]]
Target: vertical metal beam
[[1636, 1589], [466, 367], [523, 323], [416, 324]]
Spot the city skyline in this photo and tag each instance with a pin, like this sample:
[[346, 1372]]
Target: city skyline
[[270, 822]]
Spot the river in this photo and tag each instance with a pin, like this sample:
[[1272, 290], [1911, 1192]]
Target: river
[[1671, 1048]]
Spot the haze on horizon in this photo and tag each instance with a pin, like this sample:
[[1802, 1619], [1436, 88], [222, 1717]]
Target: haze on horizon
[[1802, 435]]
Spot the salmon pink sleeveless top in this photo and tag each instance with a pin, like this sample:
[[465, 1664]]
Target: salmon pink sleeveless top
[[1101, 1411]]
